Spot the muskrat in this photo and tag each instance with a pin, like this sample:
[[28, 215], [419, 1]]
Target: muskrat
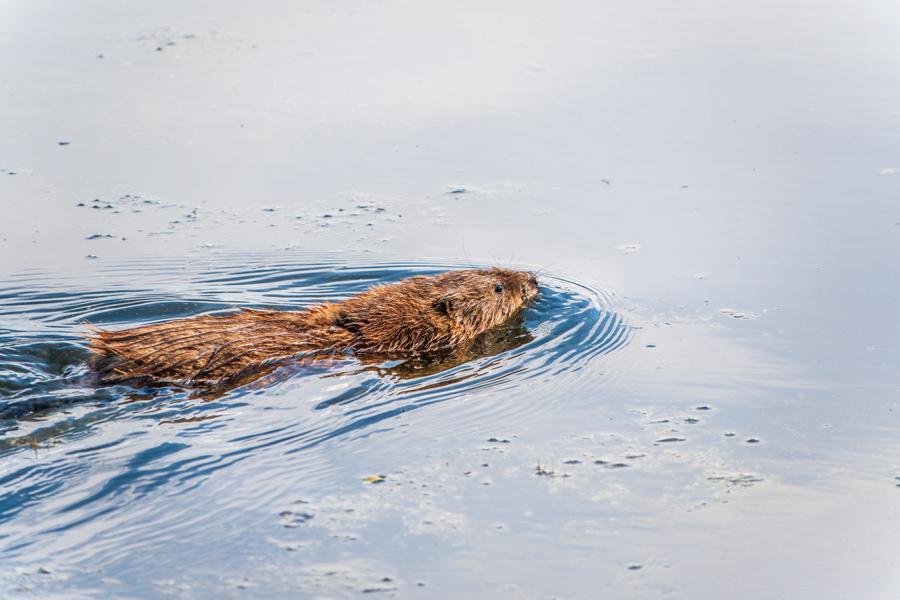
[[414, 317]]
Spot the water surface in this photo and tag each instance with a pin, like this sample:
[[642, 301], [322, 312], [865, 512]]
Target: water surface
[[705, 403]]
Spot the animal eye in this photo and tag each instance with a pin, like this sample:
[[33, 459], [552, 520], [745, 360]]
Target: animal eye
[[498, 288]]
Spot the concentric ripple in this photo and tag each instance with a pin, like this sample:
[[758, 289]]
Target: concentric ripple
[[154, 441]]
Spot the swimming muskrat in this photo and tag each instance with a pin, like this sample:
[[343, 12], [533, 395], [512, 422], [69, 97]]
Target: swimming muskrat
[[416, 316]]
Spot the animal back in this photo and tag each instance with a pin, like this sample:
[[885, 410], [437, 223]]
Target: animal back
[[210, 349]]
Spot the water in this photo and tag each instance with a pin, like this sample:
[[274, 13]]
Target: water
[[279, 429], [703, 402]]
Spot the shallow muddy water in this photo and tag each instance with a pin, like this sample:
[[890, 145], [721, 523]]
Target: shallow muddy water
[[702, 403]]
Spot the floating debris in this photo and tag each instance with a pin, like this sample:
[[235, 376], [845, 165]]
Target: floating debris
[[544, 470], [744, 315], [736, 480], [292, 520]]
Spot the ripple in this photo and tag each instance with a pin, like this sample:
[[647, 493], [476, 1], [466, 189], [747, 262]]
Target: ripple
[[136, 443]]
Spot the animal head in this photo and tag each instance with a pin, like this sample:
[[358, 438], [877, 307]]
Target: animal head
[[477, 300], [430, 313]]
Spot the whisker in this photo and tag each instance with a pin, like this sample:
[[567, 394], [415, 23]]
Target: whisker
[[466, 255]]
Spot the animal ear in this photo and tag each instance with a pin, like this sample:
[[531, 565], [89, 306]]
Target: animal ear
[[444, 305], [342, 319]]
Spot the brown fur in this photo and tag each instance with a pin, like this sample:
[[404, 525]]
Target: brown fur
[[417, 315]]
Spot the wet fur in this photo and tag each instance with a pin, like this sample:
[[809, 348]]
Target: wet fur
[[415, 316]]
